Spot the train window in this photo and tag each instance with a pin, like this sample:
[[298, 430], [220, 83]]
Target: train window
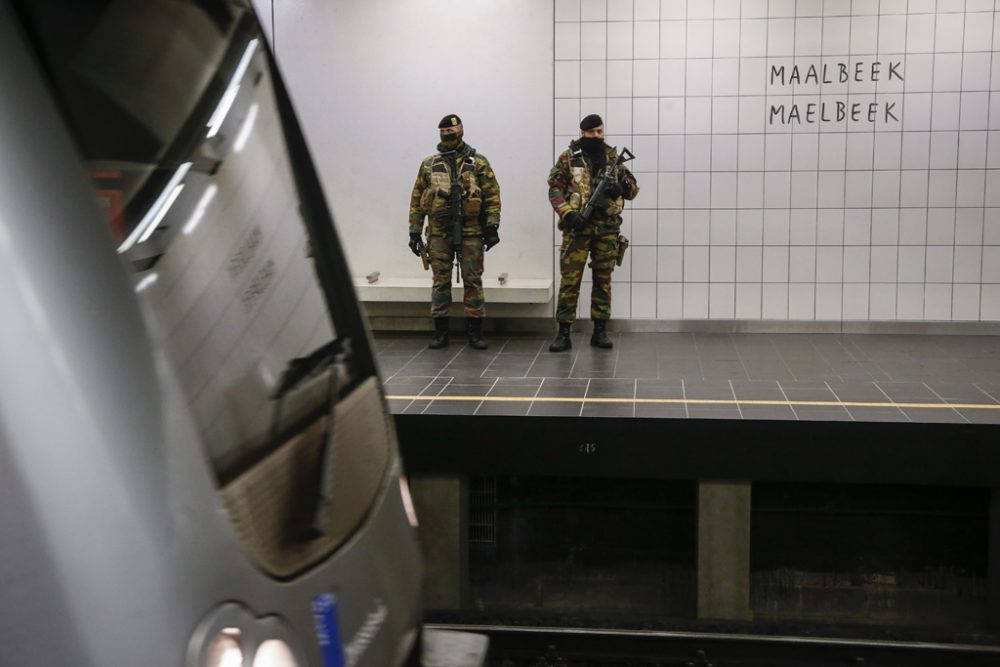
[[174, 109]]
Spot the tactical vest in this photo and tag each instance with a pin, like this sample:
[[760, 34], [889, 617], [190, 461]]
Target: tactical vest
[[580, 187], [472, 196]]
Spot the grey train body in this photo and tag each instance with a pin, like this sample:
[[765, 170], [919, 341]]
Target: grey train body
[[117, 548]]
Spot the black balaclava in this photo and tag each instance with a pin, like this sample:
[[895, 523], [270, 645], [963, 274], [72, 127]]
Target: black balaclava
[[450, 142], [592, 146]]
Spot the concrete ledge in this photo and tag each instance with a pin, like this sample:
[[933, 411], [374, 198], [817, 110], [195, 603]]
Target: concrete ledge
[[516, 290], [498, 321], [807, 326], [494, 325]]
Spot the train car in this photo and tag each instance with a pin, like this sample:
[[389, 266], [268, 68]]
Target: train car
[[197, 466]]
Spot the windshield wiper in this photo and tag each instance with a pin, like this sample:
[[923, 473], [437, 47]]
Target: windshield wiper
[[333, 358]]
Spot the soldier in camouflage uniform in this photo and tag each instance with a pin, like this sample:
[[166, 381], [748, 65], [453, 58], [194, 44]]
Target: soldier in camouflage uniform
[[480, 218], [570, 182]]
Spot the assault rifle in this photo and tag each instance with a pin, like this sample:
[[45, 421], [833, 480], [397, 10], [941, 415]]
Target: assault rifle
[[453, 211], [607, 176]]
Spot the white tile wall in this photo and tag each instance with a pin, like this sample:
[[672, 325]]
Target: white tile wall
[[669, 301], [621, 302], [909, 302], [774, 302], [722, 300], [989, 304], [643, 301], [695, 301], [748, 301], [965, 302], [742, 218]]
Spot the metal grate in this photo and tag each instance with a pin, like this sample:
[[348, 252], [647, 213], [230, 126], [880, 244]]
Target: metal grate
[[482, 510]]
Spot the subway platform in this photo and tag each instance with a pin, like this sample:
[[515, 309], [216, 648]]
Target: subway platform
[[826, 377], [908, 408]]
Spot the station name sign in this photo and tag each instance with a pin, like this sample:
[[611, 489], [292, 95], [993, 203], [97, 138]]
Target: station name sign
[[809, 80]]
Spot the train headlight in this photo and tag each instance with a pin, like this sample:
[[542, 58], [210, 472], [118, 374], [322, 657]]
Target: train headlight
[[225, 650], [232, 636], [274, 653]]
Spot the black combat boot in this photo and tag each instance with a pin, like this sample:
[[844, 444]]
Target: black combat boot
[[476, 341], [600, 336], [440, 333], [562, 341]]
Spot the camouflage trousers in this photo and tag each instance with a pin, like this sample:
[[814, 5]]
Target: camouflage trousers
[[443, 267], [602, 247]]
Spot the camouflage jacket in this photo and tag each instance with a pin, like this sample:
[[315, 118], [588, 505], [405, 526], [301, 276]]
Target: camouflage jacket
[[572, 178], [480, 192]]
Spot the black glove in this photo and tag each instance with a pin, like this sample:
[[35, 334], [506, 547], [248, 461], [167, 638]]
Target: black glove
[[491, 237], [614, 191], [574, 222], [416, 243]]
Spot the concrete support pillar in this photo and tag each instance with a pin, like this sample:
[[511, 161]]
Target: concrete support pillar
[[724, 550], [993, 563], [442, 505]]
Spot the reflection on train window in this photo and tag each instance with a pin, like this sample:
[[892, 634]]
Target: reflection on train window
[[173, 108]]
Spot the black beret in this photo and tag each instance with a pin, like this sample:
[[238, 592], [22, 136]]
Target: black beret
[[590, 122], [451, 120]]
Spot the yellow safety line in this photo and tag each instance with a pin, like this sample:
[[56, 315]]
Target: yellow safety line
[[695, 401]]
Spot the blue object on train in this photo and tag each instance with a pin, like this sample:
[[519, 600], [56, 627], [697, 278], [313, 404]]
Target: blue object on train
[[328, 630]]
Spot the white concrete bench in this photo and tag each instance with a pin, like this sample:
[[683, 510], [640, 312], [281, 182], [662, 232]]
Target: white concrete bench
[[515, 290]]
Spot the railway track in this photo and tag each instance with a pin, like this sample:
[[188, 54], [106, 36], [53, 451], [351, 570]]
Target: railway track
[[514, 646]]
